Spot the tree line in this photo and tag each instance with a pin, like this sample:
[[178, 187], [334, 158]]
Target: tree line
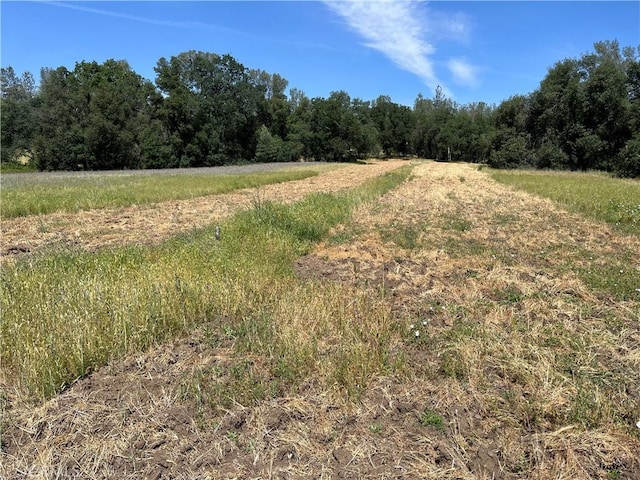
[[206, 109]]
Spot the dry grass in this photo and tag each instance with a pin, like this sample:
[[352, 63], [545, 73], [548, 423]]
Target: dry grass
[[500, 280], [155, 223], [523, 367], [596, 195], [44, 193]]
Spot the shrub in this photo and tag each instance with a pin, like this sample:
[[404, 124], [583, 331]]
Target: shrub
[[628, 160]]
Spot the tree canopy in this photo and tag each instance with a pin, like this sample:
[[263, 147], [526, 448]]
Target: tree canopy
[[207, 109]]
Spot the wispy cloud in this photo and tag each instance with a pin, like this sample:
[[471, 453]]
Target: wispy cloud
[[405, 32], [184, 25], [392, 28], [463, 72], [448, 26], [148, 20]]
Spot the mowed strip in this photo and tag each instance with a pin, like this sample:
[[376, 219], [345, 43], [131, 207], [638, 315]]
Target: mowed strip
[[156, 222], [507, 336], [519, 369]]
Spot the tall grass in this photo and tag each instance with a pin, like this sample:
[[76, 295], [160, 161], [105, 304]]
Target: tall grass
[[100, 191], [612, 200], [68, 312]]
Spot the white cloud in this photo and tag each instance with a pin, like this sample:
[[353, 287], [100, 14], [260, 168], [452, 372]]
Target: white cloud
[[392, 28], [463, 72], [403, 31]]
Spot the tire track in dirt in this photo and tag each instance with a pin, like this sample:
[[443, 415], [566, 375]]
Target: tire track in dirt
[[151, 224]]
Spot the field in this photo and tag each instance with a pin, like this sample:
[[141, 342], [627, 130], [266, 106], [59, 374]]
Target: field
[[611, 200], [71, 192], [391, 320]]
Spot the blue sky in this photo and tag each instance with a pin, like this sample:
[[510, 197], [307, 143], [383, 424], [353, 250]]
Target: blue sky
[[476, 51]]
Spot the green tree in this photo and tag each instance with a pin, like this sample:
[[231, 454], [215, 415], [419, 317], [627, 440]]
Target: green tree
[[513, 151], [276, 109], [212, 108], [365, 136], [511, 144], [91, 118], [325, 121], [59, 142], [338, 130], [395, 125], [18, 103], [606, 105], [555, 110], [270, 148], [434, 133], [477, 137], [299, 134], [424, 133], [632, 65], [628, 159], [586, 109]]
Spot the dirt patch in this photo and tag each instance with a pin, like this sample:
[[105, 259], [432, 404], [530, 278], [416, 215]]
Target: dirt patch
[[132, 419], [154, 223]]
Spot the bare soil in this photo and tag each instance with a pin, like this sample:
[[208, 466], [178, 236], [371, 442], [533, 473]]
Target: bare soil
[[128, 420], [448, 238]]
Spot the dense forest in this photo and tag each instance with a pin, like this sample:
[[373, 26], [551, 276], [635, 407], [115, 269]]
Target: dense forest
[[206, 109]]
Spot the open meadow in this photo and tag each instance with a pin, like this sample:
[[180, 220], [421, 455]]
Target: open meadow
[[400, 319]]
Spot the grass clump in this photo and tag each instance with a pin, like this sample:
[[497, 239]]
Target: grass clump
[[67, 312], [73, 194], [618, 279], [406, 236], [429, 418], [458, 224], [615, 201]]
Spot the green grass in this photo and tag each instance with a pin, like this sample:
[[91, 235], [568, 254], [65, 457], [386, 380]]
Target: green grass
[[429, 418], [406, 236], [616, 275], [599, 196], [48, 194], [457, 224], [67, 312], [12, 167]]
